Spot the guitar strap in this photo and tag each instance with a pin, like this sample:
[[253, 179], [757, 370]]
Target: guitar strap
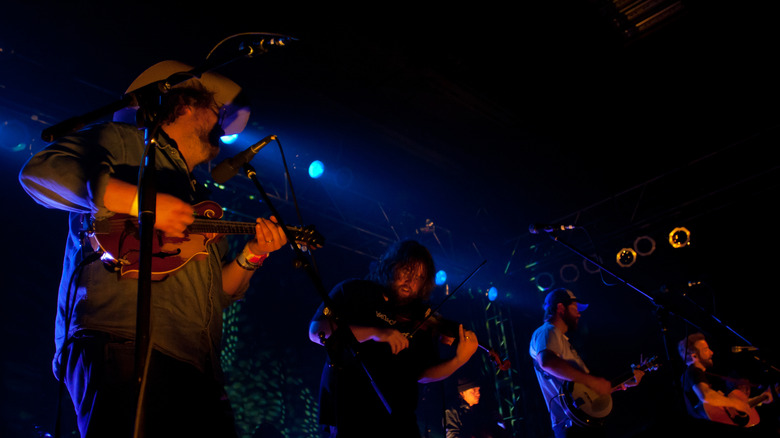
[[549, 377], [541, 371]]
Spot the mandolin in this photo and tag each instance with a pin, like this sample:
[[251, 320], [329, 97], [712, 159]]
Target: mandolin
[[118, 238]]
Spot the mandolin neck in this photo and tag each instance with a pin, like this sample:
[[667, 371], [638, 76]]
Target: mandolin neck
[[205, 226]]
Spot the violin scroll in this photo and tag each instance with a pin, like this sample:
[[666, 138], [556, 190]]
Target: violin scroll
[[502, 365]]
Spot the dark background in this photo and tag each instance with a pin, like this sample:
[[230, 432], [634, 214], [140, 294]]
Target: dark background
[[460, 127]]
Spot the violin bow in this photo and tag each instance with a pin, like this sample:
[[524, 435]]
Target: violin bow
[[433, 311]]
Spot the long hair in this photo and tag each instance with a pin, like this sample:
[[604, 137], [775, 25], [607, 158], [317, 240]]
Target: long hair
[[402, 254]]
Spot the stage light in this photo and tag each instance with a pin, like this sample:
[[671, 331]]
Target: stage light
[[14, 135], [544, 281], [644, 245], [316, 169], [626, 257], [229, 139], [590, 267], [680, 237], [569, 273], [492, 293], [441, 278]]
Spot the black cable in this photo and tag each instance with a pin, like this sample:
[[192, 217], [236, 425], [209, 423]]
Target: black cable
[[75, 277]]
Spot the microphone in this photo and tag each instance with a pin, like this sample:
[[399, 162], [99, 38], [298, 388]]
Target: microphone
[[271, 40], [229, 167], [741, 348], [548, 228]]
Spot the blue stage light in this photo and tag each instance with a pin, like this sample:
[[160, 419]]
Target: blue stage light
[[316, 169], [441, 278], [229, 139], [14, 135], [492, 293]]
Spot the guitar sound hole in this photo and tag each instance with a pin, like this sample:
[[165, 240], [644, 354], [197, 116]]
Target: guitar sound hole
[[163, 255]]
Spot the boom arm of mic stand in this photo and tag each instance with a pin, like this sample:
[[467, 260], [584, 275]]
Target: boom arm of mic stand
[[75, 123], [554, 236], [661, 306], [302, 262]]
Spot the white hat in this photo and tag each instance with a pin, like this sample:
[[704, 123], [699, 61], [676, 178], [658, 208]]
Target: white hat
[[226, 94]]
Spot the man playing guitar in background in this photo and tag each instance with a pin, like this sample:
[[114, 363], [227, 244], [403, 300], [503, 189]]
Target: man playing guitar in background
[[704, 392]]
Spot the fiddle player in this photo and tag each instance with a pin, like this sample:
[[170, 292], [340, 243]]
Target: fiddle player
[[93, 174], [556, 361], [381, 311]]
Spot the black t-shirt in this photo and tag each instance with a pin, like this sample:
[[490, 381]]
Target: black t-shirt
[[700, 424], [347, 397], [481, 420], [692, 377]]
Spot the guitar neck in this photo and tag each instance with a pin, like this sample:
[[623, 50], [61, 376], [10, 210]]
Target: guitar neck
[[628, 376], [757, 400], [620, 380], [203, 226]]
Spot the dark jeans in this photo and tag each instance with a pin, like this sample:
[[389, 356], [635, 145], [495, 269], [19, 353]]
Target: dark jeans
[[179, 399], [574, 431]]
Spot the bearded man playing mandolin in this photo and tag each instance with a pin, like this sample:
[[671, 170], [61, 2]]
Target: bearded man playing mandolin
[[93, 174]]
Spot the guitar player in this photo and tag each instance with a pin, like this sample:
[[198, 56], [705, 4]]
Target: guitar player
[[725, 407], [556, 361], [93, 173]]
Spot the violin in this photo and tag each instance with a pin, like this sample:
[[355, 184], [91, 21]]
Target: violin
[[447, 332]]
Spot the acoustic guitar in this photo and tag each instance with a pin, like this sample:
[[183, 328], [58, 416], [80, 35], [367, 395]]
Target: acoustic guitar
[[734, 416], [118, 237], [587, 408]]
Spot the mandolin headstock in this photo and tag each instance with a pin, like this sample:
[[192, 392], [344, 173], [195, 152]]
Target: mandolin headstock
[[306, 237]]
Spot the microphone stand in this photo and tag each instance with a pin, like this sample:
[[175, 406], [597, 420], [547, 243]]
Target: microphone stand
[[342, 331]]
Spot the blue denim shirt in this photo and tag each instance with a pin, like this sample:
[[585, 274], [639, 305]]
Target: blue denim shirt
[[71, 174]]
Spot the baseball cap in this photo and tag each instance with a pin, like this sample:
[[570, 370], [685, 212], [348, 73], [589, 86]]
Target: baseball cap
[[561, 295]]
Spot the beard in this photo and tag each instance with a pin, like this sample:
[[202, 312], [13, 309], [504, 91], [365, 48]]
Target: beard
[[571, 321], [210, 141], [215, 135], [396, 299]]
